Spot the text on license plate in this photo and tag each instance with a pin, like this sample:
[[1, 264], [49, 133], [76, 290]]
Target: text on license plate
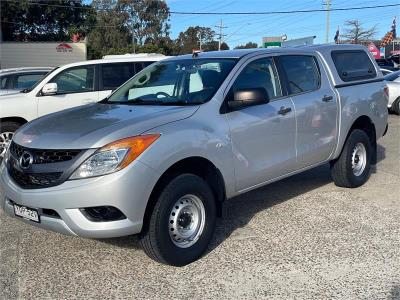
[[26, 213]]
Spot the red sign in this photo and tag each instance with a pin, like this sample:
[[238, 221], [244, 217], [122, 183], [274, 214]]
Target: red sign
[[374, 50], [63, 47]]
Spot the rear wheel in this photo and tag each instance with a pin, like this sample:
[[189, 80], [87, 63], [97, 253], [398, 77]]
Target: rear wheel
[[7, 130], [182, 222], [352, 168], [396, 107]]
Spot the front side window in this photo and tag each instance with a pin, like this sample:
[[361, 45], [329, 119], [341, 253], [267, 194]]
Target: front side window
[[260, 73], [301, 72], [113, 75], [185, 81], [27, 80], [75, 80]]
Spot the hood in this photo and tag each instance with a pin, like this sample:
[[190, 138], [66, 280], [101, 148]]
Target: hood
[[95, 125]]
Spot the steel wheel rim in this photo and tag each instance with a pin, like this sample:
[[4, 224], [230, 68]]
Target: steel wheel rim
[[358, 159], [5, 139], [186, 221]]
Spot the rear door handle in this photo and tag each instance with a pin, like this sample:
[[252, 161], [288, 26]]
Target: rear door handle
[[327, 98], [284, 110]]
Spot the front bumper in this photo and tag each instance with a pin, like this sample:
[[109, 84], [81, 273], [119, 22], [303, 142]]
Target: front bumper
[[128, 190]]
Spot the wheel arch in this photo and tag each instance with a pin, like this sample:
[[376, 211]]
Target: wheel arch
[[196, 165], [366, 124], [19, 120]]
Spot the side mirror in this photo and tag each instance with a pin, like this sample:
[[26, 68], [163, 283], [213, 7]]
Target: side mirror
[[248, 97], [49, 89]]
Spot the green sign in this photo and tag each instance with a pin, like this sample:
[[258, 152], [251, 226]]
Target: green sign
[[272, 44]]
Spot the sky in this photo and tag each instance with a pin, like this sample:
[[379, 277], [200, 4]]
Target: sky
[[242, 29]]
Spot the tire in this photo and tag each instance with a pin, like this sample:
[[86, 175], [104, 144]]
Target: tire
[[342, 171], [157, 238], [7, 130], [396, 107]]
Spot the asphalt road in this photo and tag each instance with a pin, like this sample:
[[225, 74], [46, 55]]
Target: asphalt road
[[302, 237]]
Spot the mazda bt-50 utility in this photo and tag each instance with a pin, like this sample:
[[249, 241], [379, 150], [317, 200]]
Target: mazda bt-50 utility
[[160, 155]]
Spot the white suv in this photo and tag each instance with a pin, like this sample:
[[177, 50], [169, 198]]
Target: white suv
[[68, 86]]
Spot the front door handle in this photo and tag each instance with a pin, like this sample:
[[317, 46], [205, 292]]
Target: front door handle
[[284, 110], [327, 98]]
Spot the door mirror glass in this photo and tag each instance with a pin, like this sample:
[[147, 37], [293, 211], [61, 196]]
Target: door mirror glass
[[248, 97], [49, 89]]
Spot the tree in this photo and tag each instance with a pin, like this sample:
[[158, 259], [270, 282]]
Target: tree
[[40, 21], [111, 34], [147, 18], [190, 39], [356, 34], [249, 45]]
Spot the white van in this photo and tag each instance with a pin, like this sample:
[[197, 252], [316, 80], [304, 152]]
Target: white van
[[68, 86]]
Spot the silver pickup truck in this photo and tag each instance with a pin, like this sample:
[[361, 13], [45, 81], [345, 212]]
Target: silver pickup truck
[[160, 155]]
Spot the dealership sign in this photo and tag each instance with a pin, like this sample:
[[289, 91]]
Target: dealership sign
[[374, 50], [63, 47]]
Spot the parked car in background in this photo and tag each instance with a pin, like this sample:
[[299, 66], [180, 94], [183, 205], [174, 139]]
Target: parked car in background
[[393, 91], [386, 71], [391, 63], [17, 79], [68, 86], [160, 155]]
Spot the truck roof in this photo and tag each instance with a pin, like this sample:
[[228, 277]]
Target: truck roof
[[239, 53]]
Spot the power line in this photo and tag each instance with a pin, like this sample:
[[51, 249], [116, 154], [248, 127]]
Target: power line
[[227, 13], [282, 12]]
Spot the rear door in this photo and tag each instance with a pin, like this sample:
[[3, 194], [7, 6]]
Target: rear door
[[76, 86], [315, 105], [263, 136]]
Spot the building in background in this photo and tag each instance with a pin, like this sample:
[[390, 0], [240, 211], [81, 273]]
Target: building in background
[[40, 54], [282, 41]]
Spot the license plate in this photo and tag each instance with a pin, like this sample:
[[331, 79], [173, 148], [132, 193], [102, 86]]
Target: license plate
[[26, 213]]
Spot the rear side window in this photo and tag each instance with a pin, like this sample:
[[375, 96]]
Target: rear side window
[[301, 72], [4, 81], [353, 65], [114, 75], [27, 80]]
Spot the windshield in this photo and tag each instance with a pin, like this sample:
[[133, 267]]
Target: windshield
[[392, 76], [27, 90], [177, 82]]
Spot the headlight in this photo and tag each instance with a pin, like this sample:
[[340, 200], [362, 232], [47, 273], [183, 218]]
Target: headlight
[[114, 157]]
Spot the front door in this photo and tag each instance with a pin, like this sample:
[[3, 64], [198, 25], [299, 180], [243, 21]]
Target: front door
[[262, 136], [75, 86], [316, 108]]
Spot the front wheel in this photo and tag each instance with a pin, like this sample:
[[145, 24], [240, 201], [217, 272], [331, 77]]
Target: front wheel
[[352, 168], [182, 222], [7, 130]]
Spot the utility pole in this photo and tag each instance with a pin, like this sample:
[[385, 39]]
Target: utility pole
[[200, 40], [328, 9], [220, 35]]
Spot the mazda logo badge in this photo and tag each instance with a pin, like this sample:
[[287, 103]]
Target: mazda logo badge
[[26, 160]]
